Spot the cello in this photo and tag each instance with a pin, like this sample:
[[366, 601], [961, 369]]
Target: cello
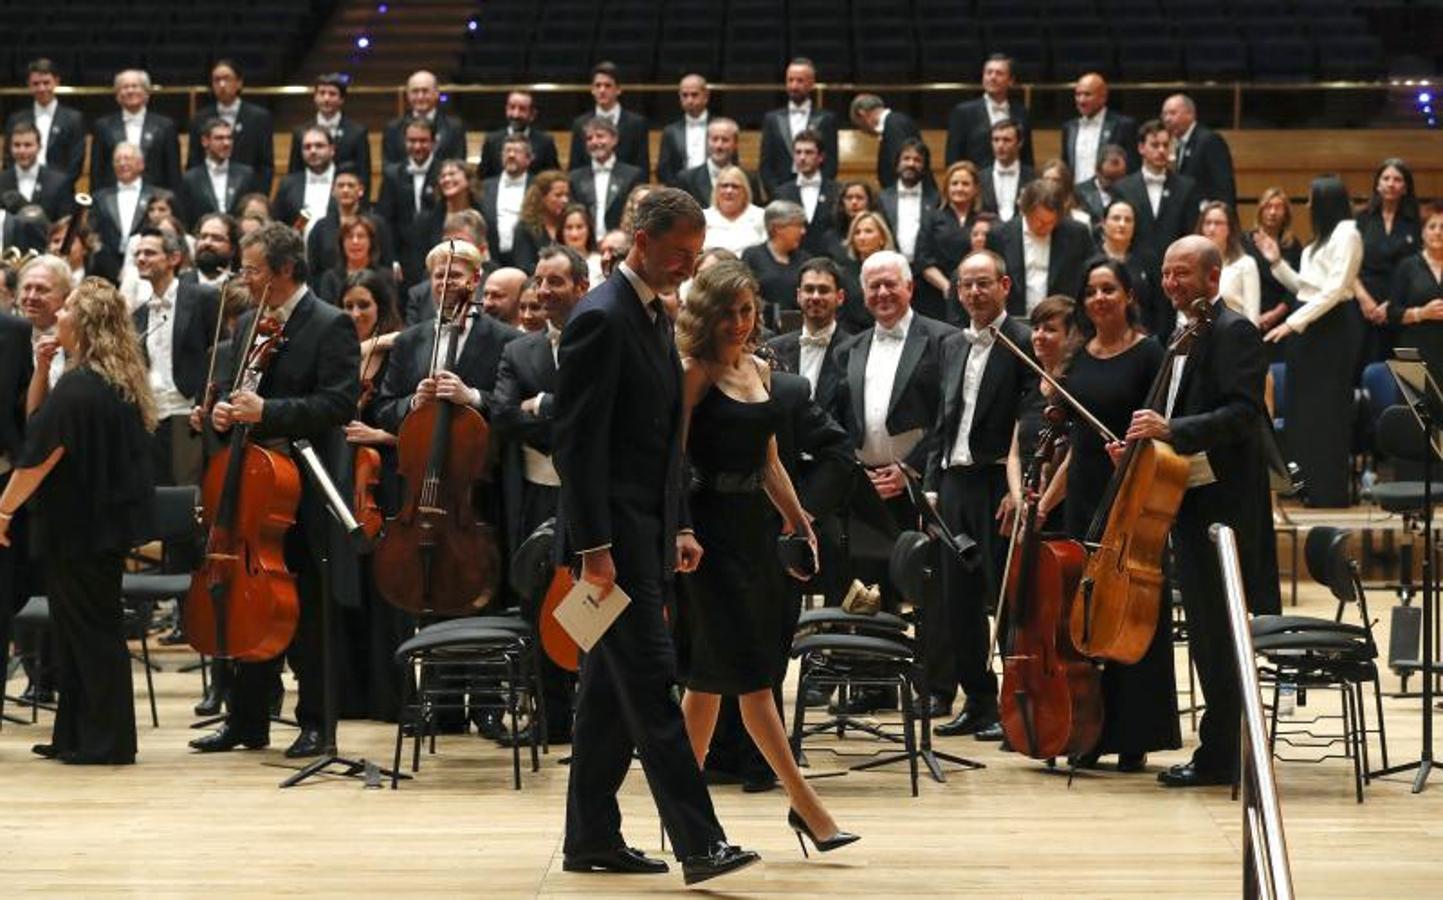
[[242, 603], [1051, 698], [436, 556]]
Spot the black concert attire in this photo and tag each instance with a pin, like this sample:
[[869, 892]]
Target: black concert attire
[[1140, 700], [179, 324], [1204, 157], [775, 166], [624, 177], [987, 187], [197, 193], [821, 237], [51, 191], [1414, 284], [1116, 128], [106, 223], [352, 148], [87, 514], [897, 128], [526, 246], [1070, 246], [543, 152], [253, 137], [64, 145], [450, 138], [323, 249], [672, 158], [400, 205], [969, 132], [1176, 211], [1273, 291], [944, 239], [16, 366], [619, 454], [633, 142], [1384, 252], [159, 144], [778, 280]]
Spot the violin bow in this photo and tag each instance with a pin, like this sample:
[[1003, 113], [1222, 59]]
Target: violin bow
[[441, 305], [1072, 401]]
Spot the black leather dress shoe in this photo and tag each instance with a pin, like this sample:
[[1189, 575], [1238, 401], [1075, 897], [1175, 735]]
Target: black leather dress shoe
[[862, 702], [48, 751], [992, 732], [523, 737], [970, 720], [33, 695], [227, 738], [489, 726], [1189, 775], [622, 860], [1131, 762], [211, 703], [719, 860], [937, 707], [308, 743]]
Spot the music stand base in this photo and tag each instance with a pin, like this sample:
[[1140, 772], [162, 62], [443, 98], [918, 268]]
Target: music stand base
[[352, 768], [1420, 781]]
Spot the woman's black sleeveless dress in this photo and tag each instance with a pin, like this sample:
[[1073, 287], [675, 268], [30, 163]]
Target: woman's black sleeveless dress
[[732, 619]]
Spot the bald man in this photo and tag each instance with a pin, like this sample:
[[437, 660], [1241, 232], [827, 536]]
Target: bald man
[[1202, 154], [423, 99], [683, 142], [1096, 126], [501, 295], [134, 123]]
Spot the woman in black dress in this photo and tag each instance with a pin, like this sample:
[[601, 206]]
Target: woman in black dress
[[87, 461], [1274, 219], [946, 234], [1391, 232], [1117, 239], [732, 618], [1111, 375], [1054, 340], [1415, 303], [359, 247], [542, 210], [869, 233]]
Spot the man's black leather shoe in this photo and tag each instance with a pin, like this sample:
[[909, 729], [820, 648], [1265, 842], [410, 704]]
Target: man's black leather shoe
[[970, 720], [226, 738], [47, 751], [211, 703], [309, 743], [1189, 775], [992, 732], [865, 701], [721, 859], [489, 725], [622, 860]]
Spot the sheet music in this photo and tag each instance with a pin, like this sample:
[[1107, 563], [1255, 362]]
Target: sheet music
[[584, 618]]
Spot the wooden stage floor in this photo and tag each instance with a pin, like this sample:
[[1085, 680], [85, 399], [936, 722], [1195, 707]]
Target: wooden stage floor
[[178, 824]]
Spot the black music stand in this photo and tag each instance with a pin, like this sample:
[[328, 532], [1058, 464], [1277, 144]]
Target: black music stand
[[1422, 396], [311, 465]]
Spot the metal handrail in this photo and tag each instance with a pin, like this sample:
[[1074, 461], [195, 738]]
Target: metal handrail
[[1266, 872]]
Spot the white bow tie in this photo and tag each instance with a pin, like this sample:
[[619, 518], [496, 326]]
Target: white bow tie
[[133, 118], [999, 107], [508, 181], [894, 333], [815, 340], [600, 168], [815, 181], [1010, 172], [983, 338], [913, 191], [159, 303], [414, 169], [804, 109], [1149, 178], [313, 178], [218, 168]]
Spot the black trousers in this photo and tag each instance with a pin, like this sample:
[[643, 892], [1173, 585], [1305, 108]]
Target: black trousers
[[538, 503], [95, 717], [1319, 396], [956, 640], [627, 701], [1210, 640], [179, 452]]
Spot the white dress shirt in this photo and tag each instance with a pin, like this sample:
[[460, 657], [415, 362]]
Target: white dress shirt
[[159, 347], [332, 125], [879, 447], [127, 197], [418, 172], [219, 173], [1084, 150], [1004, 187], [229, 113], [25, 181], [317, 198], [1156, 185], [814, 346], [644, 291], [695, 130], [1328, 275], [601, 182], [57, 362], [736, 235], [798, 115], [509, 194], [810, 189], [134, 126], [996, 112], [909, 218], [972, 372], [44, 117], [1036, 257]]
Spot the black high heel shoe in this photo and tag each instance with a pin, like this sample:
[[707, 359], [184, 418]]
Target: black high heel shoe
[[799, 825]]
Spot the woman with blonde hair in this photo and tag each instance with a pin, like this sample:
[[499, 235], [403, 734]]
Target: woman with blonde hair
[[87, 460], [732, 627], [1240, 286], [867, 234], [733, 221]]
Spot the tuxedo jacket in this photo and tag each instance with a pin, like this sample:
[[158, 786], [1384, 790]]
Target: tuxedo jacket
[[821, 236], [543, 152], [969, 132], [988, 188], [450, 139], [1116, 129], [887, 202], [105, 213], [52, 190], [671, 154], [1093, 200], [633, 142], [159, 143], [198, 198], [16, 366], [1005, 381], [290, 199], [916, 391], [353, 149], [1206, 159], [624, 177], [1176, 215], [527, 369], [897, 128], [397, 206], [490, 190], [253, 137], [323, 250], [788, 348], [64, 146], [410, 362], [697, 182], [1071, 248], [192, 328], [776, 153], [812, 447]]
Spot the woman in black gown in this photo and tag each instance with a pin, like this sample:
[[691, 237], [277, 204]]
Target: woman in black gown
[[1111, 375], [87, 462], [1054, 340], [946, 234], [1117, 239], [732, 618], [1415, 303], [1392, 232]]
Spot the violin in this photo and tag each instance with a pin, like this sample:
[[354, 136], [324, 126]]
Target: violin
[[436, 556], [1051, 699], [366, 467], [242, 603]]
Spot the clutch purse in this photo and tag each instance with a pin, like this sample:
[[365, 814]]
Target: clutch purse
[[796, 554]]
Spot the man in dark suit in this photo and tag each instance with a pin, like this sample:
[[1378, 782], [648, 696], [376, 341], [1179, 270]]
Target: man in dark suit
[[781, 126], [407, 189], [350, 139], [721, 151], [618, 433], [1095, 194], [16, 366], [983, 386], [1043, 249], [217, 185], [893, 129], [1202, 154], [1164, 202], [177, 326], [1216, 411], [61, 129], [969, 126], [153, 133], [815, 193], [603, 185], [633, 143], [448, 131], [252, 129], [906, 202], [306, 189], [34, 181], [520, 115], [502, 194], [684, 142], [119, 210], [1003, 179], [1095, 127], [309, 391]]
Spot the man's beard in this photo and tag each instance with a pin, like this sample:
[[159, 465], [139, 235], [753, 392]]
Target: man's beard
[[210, 262]]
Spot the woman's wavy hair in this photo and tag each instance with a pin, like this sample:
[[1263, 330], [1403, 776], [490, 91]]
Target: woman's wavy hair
[[532, 202], [108, 344], [711, 293]]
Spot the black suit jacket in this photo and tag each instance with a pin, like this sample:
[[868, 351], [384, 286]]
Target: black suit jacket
[[198, 198], [1116, 129], [543, 152], [989, 190], [969, 132], [1005, 381], [52, 190], [887, 202], [633, 142], [821, 234], [420, 303], [788, 348], [410, 361], [671, 154], [618, 433], [254, 141], [1093, 200], [397, 206], [159, 143], [490, 190], [192, 328], [813, 448], [624, 177], [16, 366], [1071, 247], [1206, 159], [697, 182], [112, 232], [916, 391], [1176, 215], [776, 154], [64, 146], [897, 128], [527, 369], [290, 199], [450, 139], [323, 251], [353, 149]]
